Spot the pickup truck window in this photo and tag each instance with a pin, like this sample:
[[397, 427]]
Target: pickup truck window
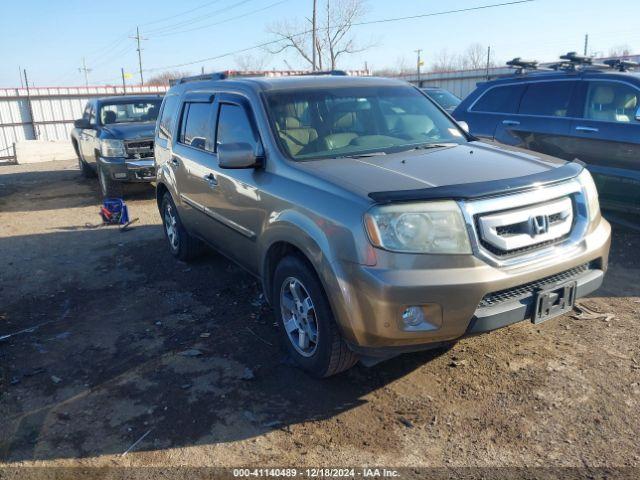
[[312, 124], [195, 124], [234, 126], [129, 112]]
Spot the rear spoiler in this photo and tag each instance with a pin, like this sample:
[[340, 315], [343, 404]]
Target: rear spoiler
[[493, 188]]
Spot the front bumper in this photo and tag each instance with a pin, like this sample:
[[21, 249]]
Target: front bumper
[[451, 291], [129, 170]]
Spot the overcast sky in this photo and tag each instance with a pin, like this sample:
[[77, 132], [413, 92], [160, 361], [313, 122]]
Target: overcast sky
[[49, 38]]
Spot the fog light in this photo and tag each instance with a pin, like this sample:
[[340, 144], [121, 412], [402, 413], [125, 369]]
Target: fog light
[[413, 316]]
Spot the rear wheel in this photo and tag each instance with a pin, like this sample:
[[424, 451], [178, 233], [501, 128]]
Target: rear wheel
[[109, 187], [309, 330], [182, 245]]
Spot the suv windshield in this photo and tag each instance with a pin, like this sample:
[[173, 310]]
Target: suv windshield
[[444, 98], [341, 122], [146, 111]]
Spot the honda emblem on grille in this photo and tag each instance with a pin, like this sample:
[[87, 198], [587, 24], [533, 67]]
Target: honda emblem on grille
[[539, 225]]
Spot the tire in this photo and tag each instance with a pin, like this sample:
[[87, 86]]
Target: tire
[[325, 353], [109, 187], [182, 245]]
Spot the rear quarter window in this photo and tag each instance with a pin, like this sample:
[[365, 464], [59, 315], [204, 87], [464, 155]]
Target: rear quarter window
[[499, 100], [169, 107]]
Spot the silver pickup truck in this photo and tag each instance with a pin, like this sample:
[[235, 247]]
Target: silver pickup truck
[[376, 224]]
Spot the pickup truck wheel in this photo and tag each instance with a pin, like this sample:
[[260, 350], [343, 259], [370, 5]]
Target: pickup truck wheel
[[109, 187], [86, 170], [182, 245], [309, 330]]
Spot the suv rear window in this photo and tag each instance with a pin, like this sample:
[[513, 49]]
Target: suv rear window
[[499, 100], [550, 99], [195, 123]]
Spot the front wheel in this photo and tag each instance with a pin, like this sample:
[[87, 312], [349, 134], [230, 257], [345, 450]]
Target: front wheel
[[309, 330], [109, 187], [182, 245]]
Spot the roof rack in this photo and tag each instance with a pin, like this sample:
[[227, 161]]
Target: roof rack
[[523, 65], [620, 64], [263, 73]]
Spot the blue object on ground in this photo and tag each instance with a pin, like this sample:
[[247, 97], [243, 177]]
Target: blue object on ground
[[118, 209]]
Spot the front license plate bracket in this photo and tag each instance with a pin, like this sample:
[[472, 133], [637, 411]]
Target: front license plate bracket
[[554, 301]]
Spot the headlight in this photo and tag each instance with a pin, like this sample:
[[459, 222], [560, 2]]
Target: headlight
[[591, 193], [112, 148], [426, 227]]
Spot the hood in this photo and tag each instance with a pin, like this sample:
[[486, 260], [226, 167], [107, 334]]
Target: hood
[[417, 171], [130, 131]]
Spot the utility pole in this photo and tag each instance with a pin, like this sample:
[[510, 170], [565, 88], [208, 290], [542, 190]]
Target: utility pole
[[419, 64], [86, 71], [313, 36], [30, 106], [488, 60], [138, 38], [124, 84], [586, 44]]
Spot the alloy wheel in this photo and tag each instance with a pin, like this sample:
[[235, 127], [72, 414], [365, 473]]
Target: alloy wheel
[[299, 316], [171, 227]]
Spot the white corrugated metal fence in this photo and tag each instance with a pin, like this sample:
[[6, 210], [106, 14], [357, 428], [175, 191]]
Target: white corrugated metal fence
[[54, 110]]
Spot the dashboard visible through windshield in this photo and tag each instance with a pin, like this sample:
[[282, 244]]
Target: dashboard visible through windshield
[[346, 122]]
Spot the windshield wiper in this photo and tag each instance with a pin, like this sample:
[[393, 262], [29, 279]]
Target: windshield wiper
[[426, 146], [363, 155]]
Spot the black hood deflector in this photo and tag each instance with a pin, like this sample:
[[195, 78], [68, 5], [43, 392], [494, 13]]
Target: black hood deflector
[[493, 188]]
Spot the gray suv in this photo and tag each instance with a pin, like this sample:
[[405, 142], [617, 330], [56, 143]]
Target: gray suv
[[375, 223]]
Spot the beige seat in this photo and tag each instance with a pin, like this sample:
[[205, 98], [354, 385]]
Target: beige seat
[[626, 108], [601, 104], [295, 136]]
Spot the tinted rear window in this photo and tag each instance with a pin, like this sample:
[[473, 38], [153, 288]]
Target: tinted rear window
[[166, 120], [550, 99], [500, 100]]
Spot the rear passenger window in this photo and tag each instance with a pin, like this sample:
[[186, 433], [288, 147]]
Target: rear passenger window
[[168, 112], [549, 99], [195, 124], [499, 100], [234, 126]]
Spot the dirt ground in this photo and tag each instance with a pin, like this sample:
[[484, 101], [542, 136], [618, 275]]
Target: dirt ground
[[111, 340]]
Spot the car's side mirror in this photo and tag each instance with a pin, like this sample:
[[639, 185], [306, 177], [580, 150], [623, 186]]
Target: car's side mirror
[[464, 125], [237, 155], [82, 123]]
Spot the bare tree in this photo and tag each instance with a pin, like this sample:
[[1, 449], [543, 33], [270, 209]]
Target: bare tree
[[165, 78], [474, 57], [250, 62], [444, 61], [334, 37], [620, 51]]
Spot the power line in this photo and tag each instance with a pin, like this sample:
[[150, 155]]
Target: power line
[[200, 18], [226, 20], [370, 22], [171, 17]]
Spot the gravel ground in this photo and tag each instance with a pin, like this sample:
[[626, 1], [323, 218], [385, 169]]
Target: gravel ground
[[113, 340]]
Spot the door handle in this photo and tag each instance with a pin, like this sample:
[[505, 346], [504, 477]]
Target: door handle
[[512, 123], [587, 129], [174, 161], [211, 180]]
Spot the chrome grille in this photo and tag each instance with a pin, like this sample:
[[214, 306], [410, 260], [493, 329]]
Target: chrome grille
[[139, 148], [522, 291], [519, 230]]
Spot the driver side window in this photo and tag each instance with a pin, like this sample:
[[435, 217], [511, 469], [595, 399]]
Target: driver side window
[[611, 102], [234, 126]]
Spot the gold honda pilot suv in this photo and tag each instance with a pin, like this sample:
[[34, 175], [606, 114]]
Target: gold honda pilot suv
[[376, 224]]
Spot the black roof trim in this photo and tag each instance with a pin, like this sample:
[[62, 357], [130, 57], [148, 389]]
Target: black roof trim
[[493, 188]]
